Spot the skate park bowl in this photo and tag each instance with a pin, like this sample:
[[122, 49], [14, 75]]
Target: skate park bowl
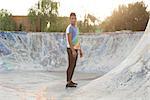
[[33, 66], [130, 80]]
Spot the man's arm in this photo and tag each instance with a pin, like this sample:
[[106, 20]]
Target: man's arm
[[70, 43], [81, 52]]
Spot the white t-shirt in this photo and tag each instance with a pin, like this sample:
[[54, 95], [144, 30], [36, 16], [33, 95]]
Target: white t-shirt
[[75, 32]]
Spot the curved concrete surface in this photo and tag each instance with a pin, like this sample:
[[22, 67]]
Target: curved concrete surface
[[128, 81], [32, 66]]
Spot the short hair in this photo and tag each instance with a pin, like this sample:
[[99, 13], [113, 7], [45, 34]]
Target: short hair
[[72, 14]]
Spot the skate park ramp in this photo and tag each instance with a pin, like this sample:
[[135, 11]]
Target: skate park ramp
[[128, 81], [47, 51], [33, 65]]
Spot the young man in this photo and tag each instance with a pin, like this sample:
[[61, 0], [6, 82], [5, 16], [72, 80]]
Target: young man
[[73, 46]]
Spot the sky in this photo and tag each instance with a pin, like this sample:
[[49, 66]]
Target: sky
[[99, 8]]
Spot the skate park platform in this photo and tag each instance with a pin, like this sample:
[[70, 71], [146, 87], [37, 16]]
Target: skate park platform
[[33, 66]]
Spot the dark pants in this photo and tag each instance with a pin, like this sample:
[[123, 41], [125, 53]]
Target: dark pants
[[71, 64]]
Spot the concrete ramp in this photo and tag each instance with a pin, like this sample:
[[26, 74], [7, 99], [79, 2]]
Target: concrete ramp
[[33, 65], [47, 51], [128, 81]]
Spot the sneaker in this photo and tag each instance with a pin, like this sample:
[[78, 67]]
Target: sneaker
[[74, 83], [70, 85]]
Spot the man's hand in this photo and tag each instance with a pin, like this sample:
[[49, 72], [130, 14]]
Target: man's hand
[[81, 53], [74, 53]]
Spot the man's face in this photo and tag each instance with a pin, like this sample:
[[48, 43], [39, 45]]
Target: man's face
[[73, 20]]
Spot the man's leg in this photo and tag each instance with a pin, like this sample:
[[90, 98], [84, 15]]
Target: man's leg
[[74, 65], [70, 65]]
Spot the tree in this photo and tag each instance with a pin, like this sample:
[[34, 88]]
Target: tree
[[33, 19], [46, 11], [60, 24], [6, 22], [131, 17], [89, 24]]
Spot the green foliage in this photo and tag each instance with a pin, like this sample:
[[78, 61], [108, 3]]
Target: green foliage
[[60, 25], [44, 12], [131, 17], [32, 17], [6, 22], [89, 24], [21, 27]]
